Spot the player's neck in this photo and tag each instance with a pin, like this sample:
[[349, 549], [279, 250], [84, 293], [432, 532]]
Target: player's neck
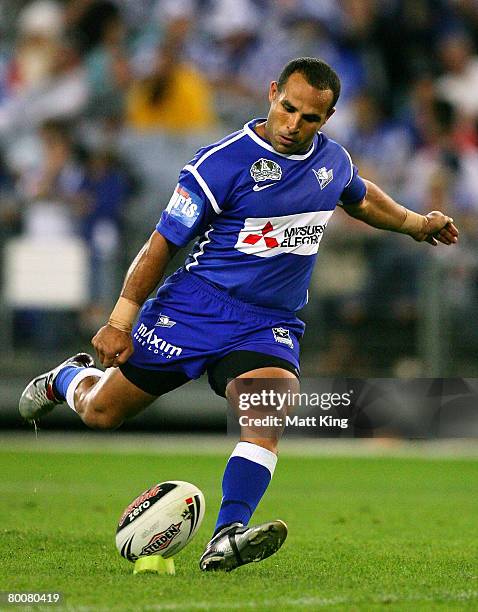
[[260, 130]]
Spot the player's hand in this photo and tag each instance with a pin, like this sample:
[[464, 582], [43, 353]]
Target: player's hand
[[113, 346], [438, 228]]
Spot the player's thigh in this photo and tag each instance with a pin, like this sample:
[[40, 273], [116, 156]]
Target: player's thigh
[[247, 364], [262, 422], [267, 383], [278, 377], [115, 395]]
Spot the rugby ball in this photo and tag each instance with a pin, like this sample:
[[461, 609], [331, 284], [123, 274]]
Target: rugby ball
[[160, 521]]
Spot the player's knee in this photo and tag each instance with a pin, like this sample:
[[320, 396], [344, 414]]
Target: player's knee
[[101, 418], [269, 443]]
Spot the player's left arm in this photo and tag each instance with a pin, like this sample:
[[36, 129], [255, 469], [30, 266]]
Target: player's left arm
[[380, 210]]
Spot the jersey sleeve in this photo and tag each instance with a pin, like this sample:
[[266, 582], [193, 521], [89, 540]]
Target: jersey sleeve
[[355, 190], [200, 195], [188, 212]]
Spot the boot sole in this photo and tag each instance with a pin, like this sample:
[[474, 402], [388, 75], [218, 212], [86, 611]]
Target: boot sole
[[262, 542]]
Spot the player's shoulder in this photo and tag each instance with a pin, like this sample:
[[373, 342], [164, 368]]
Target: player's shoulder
[[334, 152], [332, 146], [222, 149]]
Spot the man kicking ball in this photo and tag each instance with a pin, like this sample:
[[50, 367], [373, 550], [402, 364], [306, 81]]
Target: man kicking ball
[[259, 200]]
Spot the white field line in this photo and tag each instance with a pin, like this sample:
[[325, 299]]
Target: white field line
[[163, 444]]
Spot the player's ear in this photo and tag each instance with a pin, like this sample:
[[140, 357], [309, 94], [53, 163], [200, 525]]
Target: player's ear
[[273, 91]]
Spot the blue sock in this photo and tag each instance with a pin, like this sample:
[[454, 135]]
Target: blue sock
[[246, 478], [63, 379]]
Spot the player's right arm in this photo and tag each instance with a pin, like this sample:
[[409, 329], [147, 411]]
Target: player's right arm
[[113, 341]]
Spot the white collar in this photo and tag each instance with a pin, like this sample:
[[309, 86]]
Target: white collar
[[266, 145]]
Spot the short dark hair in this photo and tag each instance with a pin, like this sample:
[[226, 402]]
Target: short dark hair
[[316, 72]]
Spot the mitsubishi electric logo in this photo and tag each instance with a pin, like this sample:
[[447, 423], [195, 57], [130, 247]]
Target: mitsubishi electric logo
[[269, 242], [324, 176], [270, 236]]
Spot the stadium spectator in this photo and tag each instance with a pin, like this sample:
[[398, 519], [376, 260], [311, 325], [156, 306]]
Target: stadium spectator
[[170, 107], [106, 189], [52, 191], [61, 94], [108, 72], [459, 83], [232, 37], [9, 214], [171, 94], [381, 145], [445, 167], [40, 30], [52, 206]]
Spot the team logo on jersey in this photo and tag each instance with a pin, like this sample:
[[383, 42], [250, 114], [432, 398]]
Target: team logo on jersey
[[266, 170], [270, 236], [184, 205], [324, 176], [164, 321], [282, 336]]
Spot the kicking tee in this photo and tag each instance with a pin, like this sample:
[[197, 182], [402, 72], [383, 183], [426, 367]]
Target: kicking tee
[[260, 215]]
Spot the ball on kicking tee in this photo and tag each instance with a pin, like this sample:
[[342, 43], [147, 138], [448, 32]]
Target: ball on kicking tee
[[160, 521]]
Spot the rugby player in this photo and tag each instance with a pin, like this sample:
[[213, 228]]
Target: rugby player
[[259, 200]]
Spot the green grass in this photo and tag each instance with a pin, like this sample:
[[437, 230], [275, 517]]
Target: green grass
[[365, 534]]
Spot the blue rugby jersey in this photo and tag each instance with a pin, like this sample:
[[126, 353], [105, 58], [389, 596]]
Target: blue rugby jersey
[[260, 215]]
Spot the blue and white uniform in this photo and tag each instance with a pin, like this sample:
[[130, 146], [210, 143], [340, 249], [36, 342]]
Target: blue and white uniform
[[260, 216]]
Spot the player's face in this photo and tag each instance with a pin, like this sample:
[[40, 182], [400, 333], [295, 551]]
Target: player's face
[[297, 112]]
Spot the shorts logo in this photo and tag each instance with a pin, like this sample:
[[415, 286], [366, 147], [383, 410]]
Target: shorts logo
[[147, 337], [162, 540], [282, 336], [164, 321], [184, 206], [266, 170], [298, 234], [324, 176]]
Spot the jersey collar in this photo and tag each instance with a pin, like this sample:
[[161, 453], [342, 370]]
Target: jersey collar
[[249, 130]]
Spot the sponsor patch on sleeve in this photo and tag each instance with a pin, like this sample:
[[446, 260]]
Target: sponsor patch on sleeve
[[184, 206]]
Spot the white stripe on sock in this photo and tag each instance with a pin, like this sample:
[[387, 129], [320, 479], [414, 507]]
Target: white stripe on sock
[[257, 454], [82, 374]]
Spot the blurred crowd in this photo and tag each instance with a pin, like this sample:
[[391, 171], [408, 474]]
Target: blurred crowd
[[102, 103]]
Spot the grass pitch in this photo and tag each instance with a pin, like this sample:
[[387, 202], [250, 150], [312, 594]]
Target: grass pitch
[[365, 533]]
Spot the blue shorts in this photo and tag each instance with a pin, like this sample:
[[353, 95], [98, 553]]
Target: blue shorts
[[191, 324]]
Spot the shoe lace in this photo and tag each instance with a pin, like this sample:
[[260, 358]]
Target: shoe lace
[[40, 397]]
